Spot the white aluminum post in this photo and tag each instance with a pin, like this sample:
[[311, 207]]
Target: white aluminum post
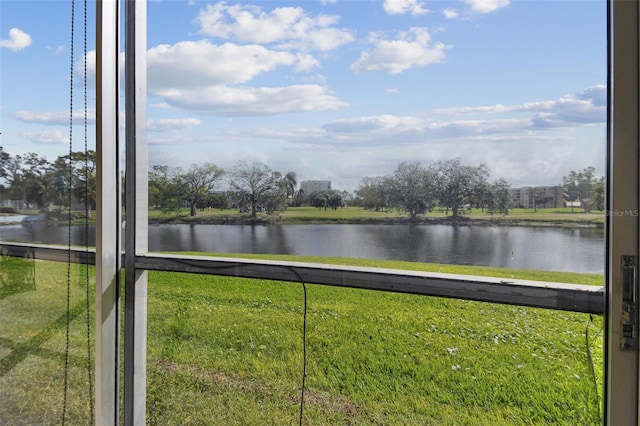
[[621, 399], [135, 346], [108, 215]]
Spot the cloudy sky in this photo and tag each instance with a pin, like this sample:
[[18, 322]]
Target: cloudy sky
[[332, 89]]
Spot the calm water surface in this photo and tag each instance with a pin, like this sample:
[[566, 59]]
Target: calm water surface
[[556, 249]]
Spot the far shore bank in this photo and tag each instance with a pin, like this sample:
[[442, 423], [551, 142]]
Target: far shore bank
[[349, 216], [425, 221]]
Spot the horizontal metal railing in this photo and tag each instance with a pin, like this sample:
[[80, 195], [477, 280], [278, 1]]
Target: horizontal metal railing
[[550, 295]]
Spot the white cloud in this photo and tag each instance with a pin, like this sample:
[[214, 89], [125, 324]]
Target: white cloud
[[91, 66], [486, 6], [450, 13], [56, 118], [375, 123], [195, 75], [305, 62], [17, 40], [596, 94], [490, 124], [410, 49], [161, 105], [235, 101], [410, 129], [55, 137], [57, 50], [402, 7], [171, 124], [202, 63], [587, 107], [521, 157], [289, 27]]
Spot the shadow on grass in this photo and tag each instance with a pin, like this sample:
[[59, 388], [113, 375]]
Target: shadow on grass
[[19, 352]]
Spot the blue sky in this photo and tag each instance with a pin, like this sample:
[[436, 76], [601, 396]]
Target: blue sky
[[330, 89]]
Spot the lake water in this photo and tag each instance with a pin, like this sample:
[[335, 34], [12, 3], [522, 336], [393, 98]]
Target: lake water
[[556, 249]]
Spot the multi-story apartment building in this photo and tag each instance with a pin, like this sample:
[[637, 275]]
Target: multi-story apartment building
[[311, 186], [542, 196]]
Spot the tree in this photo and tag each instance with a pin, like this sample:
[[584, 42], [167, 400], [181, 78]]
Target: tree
[[254, 181], [216, 200], [346, 198], [163, 189], [290, 181], [334, 199], [61, 184], [298, 197], [12, 173], [539, 196], [373, 193], [457, 183], [318, 199], [582, 186], [83, 175], [4, 158], [598, 194], [481, 197], [4, 161], [196, 183], [36, 182], [324, 199], [412, 189], [500, 198]]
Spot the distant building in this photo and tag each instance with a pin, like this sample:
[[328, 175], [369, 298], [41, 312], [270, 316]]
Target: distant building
[[547, 197], [310, 186], [17, 205]]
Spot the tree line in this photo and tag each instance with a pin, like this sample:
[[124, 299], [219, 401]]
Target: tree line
[[37, 182], [417, 189], [252, 187], [448, 184]]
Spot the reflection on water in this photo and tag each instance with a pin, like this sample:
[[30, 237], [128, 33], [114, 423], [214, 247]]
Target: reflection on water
[[575, 250]]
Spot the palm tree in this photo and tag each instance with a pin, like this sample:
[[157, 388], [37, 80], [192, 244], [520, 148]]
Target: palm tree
[[298, 197], [290, 182]]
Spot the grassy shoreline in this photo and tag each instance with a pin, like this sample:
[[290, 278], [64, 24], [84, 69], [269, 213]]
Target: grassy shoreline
[[353, 215], [556, 217]]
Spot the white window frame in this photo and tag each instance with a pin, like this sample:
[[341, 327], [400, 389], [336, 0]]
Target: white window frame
[[622, 225], [623, 230]]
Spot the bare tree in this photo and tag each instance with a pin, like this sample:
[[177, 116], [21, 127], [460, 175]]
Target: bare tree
[[197, 182], [457, 183], [256, 182]]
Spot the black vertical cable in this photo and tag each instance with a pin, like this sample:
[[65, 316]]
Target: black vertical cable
[[69, 199], [304, 326], [304, 347], [86, 223], [592, 368]]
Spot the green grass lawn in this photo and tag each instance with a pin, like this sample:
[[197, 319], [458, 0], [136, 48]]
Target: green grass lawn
[[228, 351], [549, 216], [358, 215]]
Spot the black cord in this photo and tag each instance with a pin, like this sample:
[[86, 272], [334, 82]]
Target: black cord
[[86, 223], [304, 320], [68, 319], [304, 341], [591, 364]]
